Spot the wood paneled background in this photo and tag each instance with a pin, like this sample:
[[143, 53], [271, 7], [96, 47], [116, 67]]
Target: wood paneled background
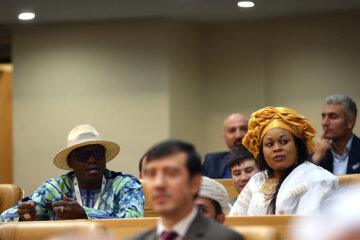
[[6, 150]]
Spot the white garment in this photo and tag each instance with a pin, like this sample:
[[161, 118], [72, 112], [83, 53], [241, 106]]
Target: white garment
[[180, 228], [301, 192]]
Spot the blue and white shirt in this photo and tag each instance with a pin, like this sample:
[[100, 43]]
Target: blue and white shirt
[[122, 197]]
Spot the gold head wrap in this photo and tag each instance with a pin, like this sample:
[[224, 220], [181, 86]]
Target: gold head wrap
[[268, 118]]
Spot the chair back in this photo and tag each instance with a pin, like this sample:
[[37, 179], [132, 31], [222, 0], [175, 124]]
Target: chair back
[[349, 179], [124, 228], [229, 186], [257, 232], [42, 230], [148, 210], [10, 194]]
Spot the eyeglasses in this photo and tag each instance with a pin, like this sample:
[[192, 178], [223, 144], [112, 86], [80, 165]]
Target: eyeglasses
[[83, 156]]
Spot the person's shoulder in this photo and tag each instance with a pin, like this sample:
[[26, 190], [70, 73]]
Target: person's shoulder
[[121, 179], [217, 231], [119, 175], [61, 179], [313, 173], [356, 140], [142, 235], [217, 154], [258, 178]]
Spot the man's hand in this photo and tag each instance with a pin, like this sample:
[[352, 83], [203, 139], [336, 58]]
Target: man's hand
[[27, 211], [68, 209], [321, 146]]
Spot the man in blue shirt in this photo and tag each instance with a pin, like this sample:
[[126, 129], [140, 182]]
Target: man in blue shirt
[[90, 191], [235, 128], [338, 149]]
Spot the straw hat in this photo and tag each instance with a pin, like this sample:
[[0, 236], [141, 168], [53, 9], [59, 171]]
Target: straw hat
[[83, 135]]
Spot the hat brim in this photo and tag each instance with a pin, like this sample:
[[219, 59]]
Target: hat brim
[[112, 149]]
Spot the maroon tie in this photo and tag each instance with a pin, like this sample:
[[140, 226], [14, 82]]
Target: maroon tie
[[170, 235]]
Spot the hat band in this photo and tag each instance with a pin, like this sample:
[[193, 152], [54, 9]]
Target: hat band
[[84, 137], [277, 123]]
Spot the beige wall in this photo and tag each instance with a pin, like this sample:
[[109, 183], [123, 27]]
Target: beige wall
[[185, 78], [140, 82], [114, 76], [294, 62]]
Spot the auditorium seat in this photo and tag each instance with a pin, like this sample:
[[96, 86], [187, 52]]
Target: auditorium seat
[[127, 227], [280, 222], [44, 229], [10, 194], [123, 228], [349, 179], [229, 186], [148, 210], [257, 232]]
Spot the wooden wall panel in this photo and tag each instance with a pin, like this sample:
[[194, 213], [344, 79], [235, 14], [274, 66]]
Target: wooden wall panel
[[6, 151]]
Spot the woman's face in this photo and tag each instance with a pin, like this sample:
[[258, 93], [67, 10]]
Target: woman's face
[[279, 150]]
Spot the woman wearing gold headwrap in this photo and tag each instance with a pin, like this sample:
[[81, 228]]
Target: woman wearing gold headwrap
[[281, 140]]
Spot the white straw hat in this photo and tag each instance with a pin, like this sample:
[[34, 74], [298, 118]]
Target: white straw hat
[[83, 135]]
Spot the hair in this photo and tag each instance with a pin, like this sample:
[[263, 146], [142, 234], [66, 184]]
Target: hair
[[238, 156], [350, 109], [170, 147], [141, 161], [301, 156], [217, 208]]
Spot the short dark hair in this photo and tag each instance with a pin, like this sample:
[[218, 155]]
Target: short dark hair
[[350, 109], [217, 207], [238, 156], [141, 161], [170, 147]]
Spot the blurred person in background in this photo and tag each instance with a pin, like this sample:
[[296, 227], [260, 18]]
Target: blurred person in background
[[242, 166]]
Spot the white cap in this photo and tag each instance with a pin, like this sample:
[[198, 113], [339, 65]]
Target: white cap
[[214, 190]]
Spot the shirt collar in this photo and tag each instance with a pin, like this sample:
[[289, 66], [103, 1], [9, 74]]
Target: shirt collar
[[347, 148], [180, 228]]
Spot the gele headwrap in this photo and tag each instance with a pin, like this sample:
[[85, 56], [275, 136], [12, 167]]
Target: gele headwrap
[[268, 118]]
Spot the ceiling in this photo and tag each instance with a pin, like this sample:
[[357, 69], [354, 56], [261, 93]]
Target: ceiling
[[197, 10], [55, 11]]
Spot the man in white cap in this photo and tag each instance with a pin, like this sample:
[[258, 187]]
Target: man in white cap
[[90, 191], [213, 200]]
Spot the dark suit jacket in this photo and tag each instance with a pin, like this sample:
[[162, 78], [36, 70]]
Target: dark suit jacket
[[354, 158], [215, 164], [200, 228]]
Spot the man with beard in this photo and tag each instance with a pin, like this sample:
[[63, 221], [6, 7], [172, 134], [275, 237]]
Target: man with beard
[[173, 179], [338, 149], [89, 191], [235, 128]]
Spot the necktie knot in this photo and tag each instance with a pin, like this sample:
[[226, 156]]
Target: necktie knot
[[168, 235]]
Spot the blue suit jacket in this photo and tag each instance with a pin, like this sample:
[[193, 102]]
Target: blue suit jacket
[[215, 164], [354, 158]]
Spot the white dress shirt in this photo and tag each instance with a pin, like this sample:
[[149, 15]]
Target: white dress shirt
[[340, 162], [180, 228]]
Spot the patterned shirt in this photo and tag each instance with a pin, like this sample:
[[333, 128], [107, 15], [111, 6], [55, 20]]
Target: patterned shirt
[[122, 198]]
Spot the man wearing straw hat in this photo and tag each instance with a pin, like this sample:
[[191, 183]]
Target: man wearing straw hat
[[90, 191]]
